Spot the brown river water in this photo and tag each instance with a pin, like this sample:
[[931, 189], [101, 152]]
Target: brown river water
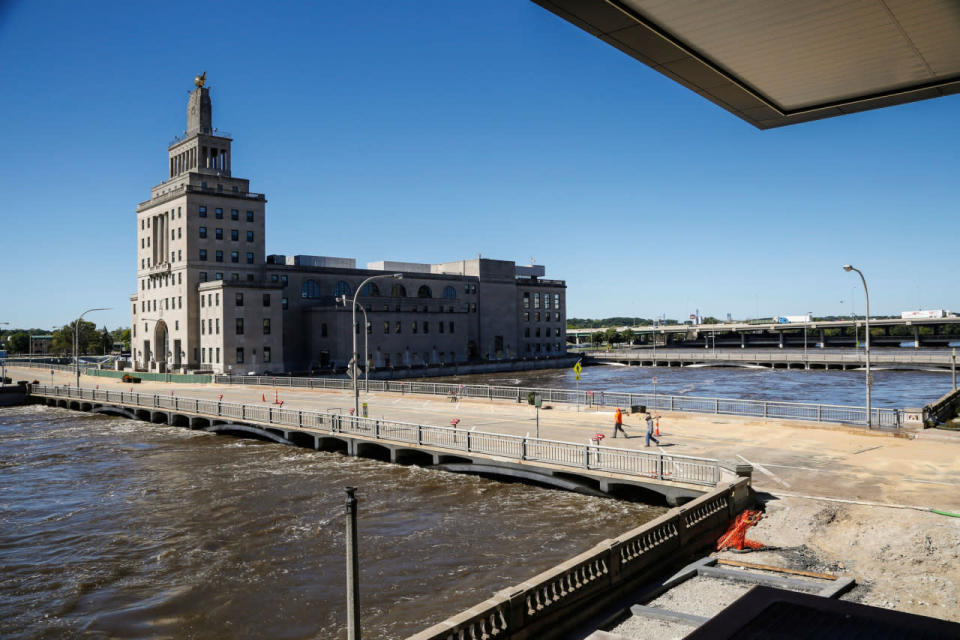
[[113, 528]]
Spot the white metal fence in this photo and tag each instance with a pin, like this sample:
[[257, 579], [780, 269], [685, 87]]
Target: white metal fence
[[882, 417], [688, 469]]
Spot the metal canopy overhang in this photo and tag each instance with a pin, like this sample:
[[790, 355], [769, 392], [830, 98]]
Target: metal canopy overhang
[[779, 63]]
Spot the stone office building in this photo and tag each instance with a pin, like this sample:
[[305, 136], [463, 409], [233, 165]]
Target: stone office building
[[210, 299]]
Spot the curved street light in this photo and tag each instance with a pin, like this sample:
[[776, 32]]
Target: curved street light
[[356, 392], [76, 340], [866, 293]]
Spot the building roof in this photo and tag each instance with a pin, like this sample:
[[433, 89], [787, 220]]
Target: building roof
[[779, 63]]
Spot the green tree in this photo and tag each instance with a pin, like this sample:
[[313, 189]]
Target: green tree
[[90, 339], [628, 335], [612, 336], [18, 342], [596, 338]]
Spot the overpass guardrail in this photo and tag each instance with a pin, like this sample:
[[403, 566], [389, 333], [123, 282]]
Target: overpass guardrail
[[650, 465], [882, 417]]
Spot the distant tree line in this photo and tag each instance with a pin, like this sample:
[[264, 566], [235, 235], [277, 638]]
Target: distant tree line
[[92, 341], [618, 321]]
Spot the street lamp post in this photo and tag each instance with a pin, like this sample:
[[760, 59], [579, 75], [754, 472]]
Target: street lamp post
[[866, 294], [366, 345], [76, 340], [356, 392]]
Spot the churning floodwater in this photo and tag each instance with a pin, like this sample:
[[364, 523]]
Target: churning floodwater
[[124, 529], [896, 389]]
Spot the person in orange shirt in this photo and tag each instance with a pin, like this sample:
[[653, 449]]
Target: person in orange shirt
[[618, 424]]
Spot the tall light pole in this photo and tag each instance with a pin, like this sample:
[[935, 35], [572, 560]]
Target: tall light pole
[[356, 392], [866, 293], [76, 340], [366, 345]]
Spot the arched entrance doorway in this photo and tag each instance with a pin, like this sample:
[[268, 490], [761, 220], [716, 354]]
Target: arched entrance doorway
[[161, 341]]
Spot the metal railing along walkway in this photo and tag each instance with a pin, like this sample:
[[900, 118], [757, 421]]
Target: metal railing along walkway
[[882, 417], [628, 462]]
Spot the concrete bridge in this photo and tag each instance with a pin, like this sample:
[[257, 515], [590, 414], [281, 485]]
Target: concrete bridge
[[893, 332], [584, 468], [841, 359]]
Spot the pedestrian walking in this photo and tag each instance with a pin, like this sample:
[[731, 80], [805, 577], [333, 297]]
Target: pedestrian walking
[[650, 430], [618, 424]]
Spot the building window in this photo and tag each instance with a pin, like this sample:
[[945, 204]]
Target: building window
[[218, 326], [266, 326], [219, 255], [203, 255], [235, 276], [179, 255], [526, 299], [413, 326], [556, 301], [234, 235], [234, 214], [386, 327], [218, 275], [398, 291], [219, 213], [249, 216], [424, 292], [536, 316], [449, 293], [526, 316], [283, 280], [239, 355], [546, 301], [440, 326], [266, 354], [341, 289], [536, 300], [538, 332], [556, 332], [239, 299], [239, 326], [266, 299], [218, 299], [203, 211], [284, 303], [203, 327], [210, 326], [249, 257], [218, 356], [274, 278], [526, 332], [369, 328], [234, 256], [426, 327], [370, 290], [451, 326], [310, 289], [323, 330], [219, 233], [473, 306], [249, 236], [203, 276]]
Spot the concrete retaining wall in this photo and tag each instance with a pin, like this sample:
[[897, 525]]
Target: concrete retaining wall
[[551, 604]]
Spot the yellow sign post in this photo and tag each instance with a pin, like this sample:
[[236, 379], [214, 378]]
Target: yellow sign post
[[577, 368]]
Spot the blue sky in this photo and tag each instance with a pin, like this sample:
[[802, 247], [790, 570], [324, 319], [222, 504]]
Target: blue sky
[[430, 131]]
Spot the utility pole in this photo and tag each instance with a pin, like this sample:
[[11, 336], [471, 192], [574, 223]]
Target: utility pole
[[353, 562]]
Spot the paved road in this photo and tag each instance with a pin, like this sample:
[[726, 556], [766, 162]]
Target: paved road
[[838, 462]]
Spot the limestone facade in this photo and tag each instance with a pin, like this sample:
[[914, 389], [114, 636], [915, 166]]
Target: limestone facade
[[209, 298]]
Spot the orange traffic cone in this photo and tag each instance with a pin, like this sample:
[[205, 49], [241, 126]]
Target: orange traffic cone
[[656, 429], [263, 398]]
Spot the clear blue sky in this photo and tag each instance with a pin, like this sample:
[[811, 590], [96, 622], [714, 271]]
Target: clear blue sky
[[435, 130]]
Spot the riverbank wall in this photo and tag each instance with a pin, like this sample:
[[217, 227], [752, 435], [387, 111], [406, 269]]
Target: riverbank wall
[[553, 603]]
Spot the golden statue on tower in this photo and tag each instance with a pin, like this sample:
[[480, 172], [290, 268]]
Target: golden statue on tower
[[200, 80]]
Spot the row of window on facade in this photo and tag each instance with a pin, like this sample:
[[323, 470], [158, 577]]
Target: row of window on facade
[[166, 280], [174, 235], [213, 299], [212, 326], [218, 213], [537, 298], [218, 234], [145, 222], [311, 289], [546, 332], [543, 347], [218, 256], [165, 304], [547, 317], [211, 355]]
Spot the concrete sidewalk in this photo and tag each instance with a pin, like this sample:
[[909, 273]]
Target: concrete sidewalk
[[838, 462]]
